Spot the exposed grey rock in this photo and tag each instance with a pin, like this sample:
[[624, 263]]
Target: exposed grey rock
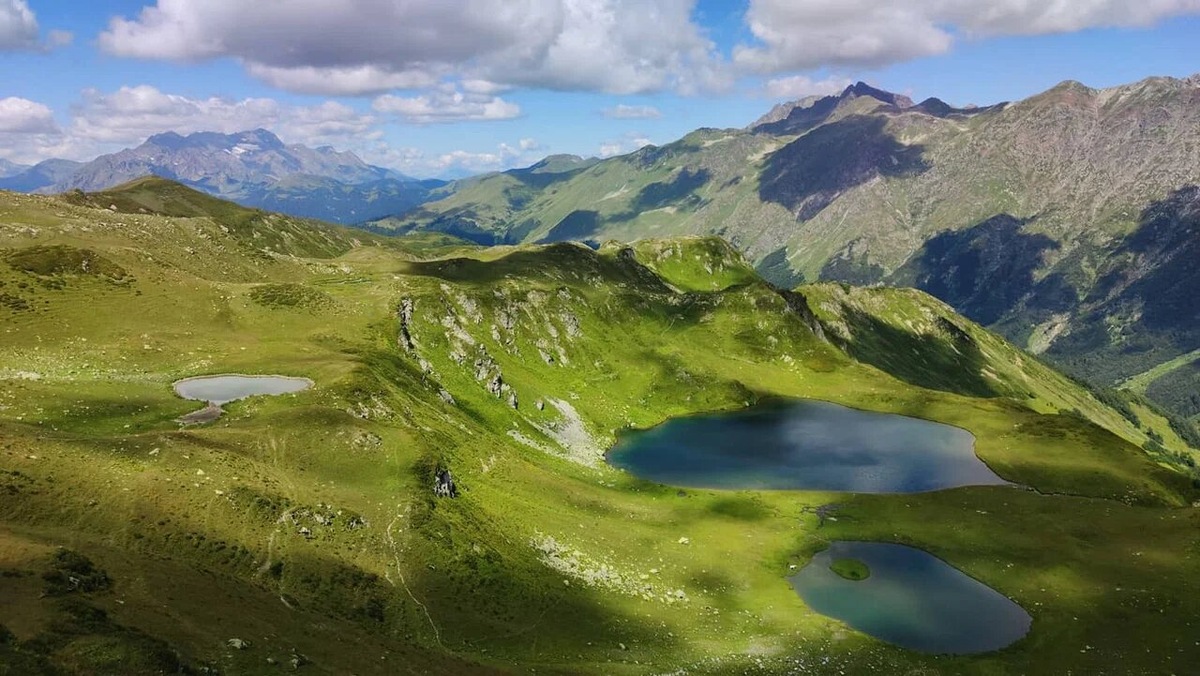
[[495, 385], [571, 322], [406, 317], [298, 661], [237, 644], [443, 484], [446, 396]]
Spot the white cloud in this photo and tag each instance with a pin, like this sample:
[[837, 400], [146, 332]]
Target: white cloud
[[328, 123], [29, 133], [22, 116], [624, 145], [369, 46], [625, 112], [483, 87], [18, 25], [803, 34], [460, 162], [130, 114], [341, 81], [798, 86], [19, 29], [446, 104]]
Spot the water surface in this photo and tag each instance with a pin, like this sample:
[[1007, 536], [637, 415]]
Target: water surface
[[912, 599], [226, 388], [804, 445]]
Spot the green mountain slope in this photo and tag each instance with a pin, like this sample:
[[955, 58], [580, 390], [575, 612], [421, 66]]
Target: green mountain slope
[[1022, 216], [305, 527]]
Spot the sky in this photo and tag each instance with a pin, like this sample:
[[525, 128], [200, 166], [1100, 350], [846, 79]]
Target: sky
[[446, 88]]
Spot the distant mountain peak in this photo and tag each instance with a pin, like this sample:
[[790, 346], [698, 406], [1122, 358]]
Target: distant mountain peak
[[261, 137], [208, 139], [806, 113], [863, 89]]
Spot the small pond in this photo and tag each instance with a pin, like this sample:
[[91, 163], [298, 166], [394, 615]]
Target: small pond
[[911, 599], [224, 389], [218, 390], [804, 445]]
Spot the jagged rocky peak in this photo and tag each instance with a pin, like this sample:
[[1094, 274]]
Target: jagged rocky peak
[[261, 138], [806, 113], [864, 89]]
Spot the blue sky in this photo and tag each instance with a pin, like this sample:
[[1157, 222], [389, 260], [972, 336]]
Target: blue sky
[[451, 87]]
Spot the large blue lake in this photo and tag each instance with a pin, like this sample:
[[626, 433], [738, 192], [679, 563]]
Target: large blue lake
[[804, 445]]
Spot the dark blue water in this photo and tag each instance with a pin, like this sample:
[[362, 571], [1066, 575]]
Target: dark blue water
[[912, 599], [224, 389], [804, 445]]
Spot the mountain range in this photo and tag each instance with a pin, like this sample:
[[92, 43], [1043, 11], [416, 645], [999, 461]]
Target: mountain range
[[1064, 220], [254, 168]]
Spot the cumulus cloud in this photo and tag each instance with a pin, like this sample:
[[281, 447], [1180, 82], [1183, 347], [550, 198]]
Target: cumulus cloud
[[18, 26], [625, 112], [446, 104], [798, 86], [22, 116], [343, 81], [130, 114], [457, 163], [370, 46], [624, 145], [804, 34], [29, 133]]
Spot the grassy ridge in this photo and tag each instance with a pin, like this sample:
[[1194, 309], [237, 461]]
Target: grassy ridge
[[316, 509]]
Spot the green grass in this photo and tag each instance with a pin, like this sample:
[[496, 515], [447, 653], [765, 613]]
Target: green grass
[[851, 569], [306, 523]]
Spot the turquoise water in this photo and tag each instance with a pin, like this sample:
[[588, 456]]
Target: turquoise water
[[912, 599], [804, 445], [224, 389]]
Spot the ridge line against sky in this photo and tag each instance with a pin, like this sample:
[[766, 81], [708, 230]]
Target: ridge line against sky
[[454, 87]]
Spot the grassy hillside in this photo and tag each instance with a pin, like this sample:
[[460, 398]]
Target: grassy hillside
[[306, 527]]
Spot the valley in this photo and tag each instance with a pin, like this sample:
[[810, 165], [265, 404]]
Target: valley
[[302, 531]]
